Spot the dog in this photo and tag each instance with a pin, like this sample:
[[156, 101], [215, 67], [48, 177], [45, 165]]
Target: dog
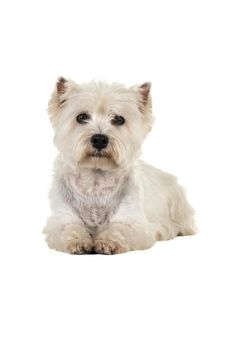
[[103, 198]]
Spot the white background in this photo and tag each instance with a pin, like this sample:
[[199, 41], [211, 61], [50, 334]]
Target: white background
[[177, 295]]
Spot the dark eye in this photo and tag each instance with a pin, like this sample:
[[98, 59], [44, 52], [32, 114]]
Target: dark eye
[[82, 118], [118, 120]]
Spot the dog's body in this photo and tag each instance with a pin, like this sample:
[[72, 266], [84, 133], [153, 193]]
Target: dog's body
[[103, 198]]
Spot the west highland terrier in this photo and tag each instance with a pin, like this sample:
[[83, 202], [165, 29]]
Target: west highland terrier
[[103, 198]]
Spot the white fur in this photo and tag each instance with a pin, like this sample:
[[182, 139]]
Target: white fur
[[113, 203]]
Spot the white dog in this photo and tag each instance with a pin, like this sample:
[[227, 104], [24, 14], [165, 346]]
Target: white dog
[[103, 198]]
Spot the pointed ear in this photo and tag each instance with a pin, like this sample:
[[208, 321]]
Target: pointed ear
[[144, 103], [143, 93], [61, 88], [144, 90]]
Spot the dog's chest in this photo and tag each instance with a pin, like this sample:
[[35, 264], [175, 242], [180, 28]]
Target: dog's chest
[[95, 196]]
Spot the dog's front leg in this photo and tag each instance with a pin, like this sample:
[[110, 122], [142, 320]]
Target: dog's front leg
[[65, 232], [128, 230]]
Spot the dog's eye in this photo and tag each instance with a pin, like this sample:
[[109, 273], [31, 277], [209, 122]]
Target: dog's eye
[[118, 120], [82, 118]]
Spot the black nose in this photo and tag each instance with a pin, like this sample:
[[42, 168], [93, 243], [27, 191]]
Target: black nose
[[99, 141]]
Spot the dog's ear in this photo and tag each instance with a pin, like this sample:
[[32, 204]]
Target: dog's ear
[[61, 85], [62, 90], [144, 91], [143, 94], [144, 103]]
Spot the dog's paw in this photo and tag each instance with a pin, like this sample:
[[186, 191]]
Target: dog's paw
[[72, 239], [108, 247], [79, 246]]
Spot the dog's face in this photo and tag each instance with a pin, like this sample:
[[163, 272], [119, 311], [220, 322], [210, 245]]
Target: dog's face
[[99, 125]]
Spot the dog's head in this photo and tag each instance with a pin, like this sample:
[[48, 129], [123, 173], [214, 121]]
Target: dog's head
[[99, 125]]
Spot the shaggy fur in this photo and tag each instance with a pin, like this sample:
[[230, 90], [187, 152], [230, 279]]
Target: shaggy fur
[[108, 201]]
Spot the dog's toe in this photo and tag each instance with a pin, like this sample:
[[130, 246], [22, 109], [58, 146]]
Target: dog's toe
[[107, 247], [77, 246]]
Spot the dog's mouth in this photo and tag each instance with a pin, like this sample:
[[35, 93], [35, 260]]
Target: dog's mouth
[[98, 155], [103, 159]]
